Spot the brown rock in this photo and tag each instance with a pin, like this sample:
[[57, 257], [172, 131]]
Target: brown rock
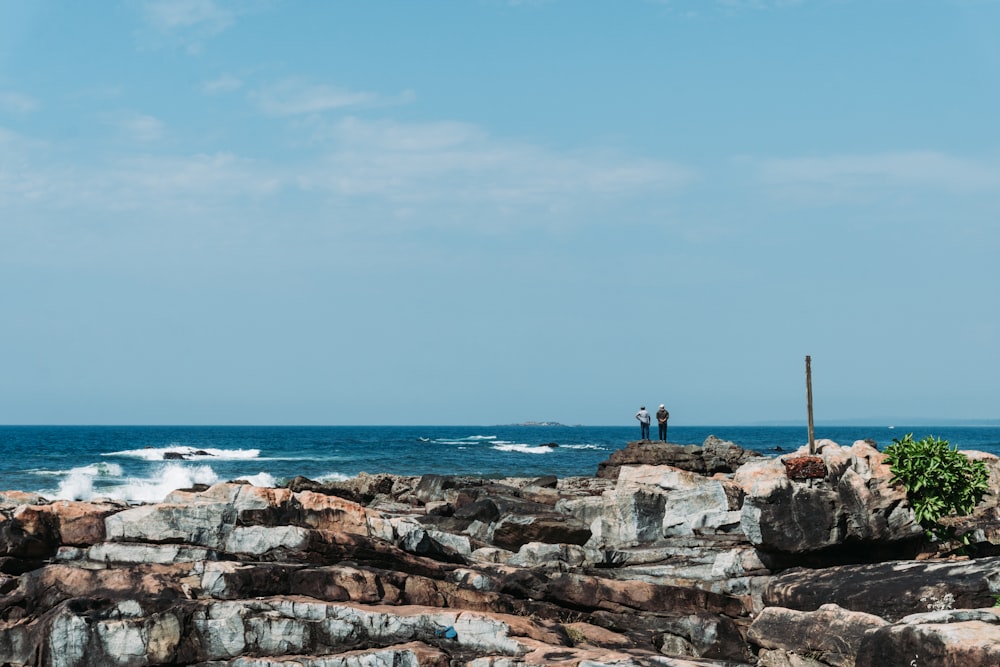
[[831, 631], [960, 638], [713, 456], [890, 590], [844, 515], [804, 467], [514, 531]]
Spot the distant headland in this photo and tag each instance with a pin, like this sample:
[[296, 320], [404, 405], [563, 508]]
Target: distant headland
[[529, 423]]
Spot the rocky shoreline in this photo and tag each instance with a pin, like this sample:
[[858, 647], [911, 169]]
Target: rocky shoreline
[[671, 555]]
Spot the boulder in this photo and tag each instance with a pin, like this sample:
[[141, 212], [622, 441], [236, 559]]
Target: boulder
[[363, 488], [852, 507], [832, 634], [714, 455], [892, 589], [514, 530], [947, 638], [655, 502]]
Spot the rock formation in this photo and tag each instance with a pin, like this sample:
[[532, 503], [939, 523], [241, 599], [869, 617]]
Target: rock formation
[[721, 557]]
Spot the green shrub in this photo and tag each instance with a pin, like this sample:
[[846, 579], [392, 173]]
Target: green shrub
[[939, 480]]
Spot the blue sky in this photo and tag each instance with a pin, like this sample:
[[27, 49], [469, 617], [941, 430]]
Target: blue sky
[[480, 212]]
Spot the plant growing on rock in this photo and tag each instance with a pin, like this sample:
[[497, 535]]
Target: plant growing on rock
[[939, 480]]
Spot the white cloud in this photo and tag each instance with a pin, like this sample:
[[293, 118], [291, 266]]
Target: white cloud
[[189, 23], [141, 128], [438, 173], [201, 179], [391, 136], [225, 83], [459, 162], [294, 97], [17, 102], [170, 15], [19, 181], [913, 169], [167, 184]]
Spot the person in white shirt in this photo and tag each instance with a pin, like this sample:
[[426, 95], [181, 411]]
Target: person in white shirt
[[644, 420]]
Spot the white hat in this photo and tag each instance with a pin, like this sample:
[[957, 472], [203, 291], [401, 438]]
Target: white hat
[[661, 405]]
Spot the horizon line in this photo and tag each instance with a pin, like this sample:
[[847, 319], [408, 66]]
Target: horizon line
[[867, 422]]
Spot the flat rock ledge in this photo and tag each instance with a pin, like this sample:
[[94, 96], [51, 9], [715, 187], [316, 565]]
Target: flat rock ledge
[[720, 558]]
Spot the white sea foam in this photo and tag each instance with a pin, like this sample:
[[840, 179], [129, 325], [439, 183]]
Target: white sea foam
[[99, 470], [465, 441], [523, 449], [333, 477], [189, 453], [592, 447], [79, 485], [261, 479], [94, 470]]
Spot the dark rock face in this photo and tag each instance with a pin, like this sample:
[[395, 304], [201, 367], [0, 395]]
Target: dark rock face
[[853, 509], [832, 634], [362, 489], [660, 566], [513, 531], [713, 456], [891, 590], [947, 638]]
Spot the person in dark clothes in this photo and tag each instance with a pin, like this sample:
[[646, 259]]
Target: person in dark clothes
[[661, 418]]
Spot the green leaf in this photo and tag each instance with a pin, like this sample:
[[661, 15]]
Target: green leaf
[[939, 480]]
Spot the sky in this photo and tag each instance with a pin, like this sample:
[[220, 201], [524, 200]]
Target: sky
[[488, 211]]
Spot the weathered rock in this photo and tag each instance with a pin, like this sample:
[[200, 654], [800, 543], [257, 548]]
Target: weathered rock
[[9, 499], [831, 634], [804, 467], [890, 590], [713, 456], [654, 502], [715, 564], [854, 505], [959, 638], [548, 481], [442, 487], [515, 530], [652, 568], [363, 488]]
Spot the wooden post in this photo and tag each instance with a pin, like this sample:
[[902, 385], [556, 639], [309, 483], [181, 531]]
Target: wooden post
[[809, 403]]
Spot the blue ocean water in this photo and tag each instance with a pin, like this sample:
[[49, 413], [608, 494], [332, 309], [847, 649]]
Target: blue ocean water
[[144, 463]]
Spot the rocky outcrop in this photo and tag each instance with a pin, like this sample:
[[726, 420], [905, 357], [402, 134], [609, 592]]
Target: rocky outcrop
[[830, 635], [853, 510], [892, 589], [658, 565], [946, 638], [216, 575], [714, 455]]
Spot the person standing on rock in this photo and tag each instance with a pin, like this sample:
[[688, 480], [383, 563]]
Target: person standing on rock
[[662, 415], [644, 420]]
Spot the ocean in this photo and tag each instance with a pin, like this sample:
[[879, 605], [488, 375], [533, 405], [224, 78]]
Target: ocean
[[144, 463]]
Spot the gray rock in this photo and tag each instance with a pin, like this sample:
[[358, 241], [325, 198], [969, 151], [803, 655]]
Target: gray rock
[[854, 505], [891, 590], [943, 640], [831, 633], [713, 456]]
